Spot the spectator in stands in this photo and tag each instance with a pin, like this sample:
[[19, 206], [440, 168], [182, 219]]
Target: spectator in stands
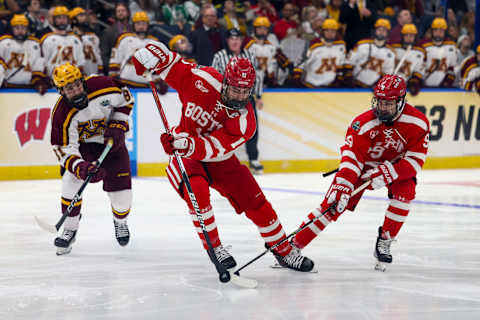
[[309, 13], [263, 8], [37, 18], [208, 38], [403, 17], [151, 7], [359, 17], [288, 21], [464, 48], [7, 7], [121, 25], [230, 18], [333, 9], [414, 6], [295, 47], [192, 8], [467, 25], [173, 12]]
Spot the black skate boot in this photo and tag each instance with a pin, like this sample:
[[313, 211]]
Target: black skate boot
[[224, 257], [121, 231], [382, 251], [65, 241], [256, 167], [295, 261]]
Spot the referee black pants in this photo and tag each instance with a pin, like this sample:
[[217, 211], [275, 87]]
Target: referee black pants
[[252, 148]]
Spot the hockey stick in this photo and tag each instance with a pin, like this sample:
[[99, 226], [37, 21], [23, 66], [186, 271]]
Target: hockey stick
[[22, 66], [224, 275], [54, 228], [326, 174], [397, 68], [363, 186]]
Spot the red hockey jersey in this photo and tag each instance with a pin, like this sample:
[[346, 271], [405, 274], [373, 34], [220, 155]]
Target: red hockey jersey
[[370, 142], [216, 131]]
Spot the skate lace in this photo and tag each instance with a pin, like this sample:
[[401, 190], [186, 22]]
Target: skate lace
[[67, 234], [222, 253], [384, 246], [294, 259], [121, 230]]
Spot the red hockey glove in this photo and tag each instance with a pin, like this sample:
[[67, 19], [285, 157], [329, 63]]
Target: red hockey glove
[[116, 130], [182, 144], [413, 85], [153, 56], [381, 176], [84, 168], [339, 194]]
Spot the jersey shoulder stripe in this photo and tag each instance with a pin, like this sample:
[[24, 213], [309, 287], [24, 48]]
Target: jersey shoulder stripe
[[123, 36], [4, 37], [62, 116], [33, 39], [46, 35], [211, 75], [101, 85]]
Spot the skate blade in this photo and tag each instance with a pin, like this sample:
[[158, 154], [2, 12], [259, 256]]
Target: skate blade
[[276, 265], [380, 266], [62, 251]]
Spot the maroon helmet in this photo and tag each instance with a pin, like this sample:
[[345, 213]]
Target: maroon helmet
[[238, 82], [390, 88]]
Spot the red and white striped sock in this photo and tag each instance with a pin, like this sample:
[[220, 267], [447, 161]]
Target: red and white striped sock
[[305, 236], [395, 216], [210, 226]]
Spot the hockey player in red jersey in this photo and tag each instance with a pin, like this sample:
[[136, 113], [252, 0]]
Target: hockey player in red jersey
[[87, 112], [386, 145], [217, 118]]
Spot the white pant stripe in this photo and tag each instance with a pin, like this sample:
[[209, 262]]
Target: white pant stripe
[[314, 228], [209, 227], [175, 172], [269, 228], [172, 178], [395, 217]]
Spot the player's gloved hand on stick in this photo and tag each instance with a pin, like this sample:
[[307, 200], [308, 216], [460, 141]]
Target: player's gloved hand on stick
[[381, 176], [413, 86], [153, 56], [182, 144], [84, 168], [116, 130], [339, 194], [41, 87]]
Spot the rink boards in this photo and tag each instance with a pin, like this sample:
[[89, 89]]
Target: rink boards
[[300, 130]]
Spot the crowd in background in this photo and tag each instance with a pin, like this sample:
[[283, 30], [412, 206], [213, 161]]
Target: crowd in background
[[298, 43]]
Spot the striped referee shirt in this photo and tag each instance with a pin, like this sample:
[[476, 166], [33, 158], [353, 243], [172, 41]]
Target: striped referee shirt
[[220, 61]]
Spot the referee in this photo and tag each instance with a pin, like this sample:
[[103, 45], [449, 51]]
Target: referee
[[220, 61]]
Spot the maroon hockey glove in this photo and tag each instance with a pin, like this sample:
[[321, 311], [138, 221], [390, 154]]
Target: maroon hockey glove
[[448, 81], [340, 194], [84, 168], [183, 145], [162, 86], [413, 86], [381, 176], [116, 130], [477, 85], [41, 86]]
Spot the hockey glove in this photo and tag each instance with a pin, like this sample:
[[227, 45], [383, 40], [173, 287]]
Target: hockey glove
[[381, 176], [41, 86], [84, 168], [154, 55], [448, 81], [182, 144], [477, 85], [116, 130], [339, 194], [413, 85]]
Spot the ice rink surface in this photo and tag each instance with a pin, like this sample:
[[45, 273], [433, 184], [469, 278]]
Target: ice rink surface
[[165, 274]]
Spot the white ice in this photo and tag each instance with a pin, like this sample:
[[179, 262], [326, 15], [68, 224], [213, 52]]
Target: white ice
[[165, 274]]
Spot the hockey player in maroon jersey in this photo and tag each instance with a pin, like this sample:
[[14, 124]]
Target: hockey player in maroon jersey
[[87, 112], [217, 118], [386, 145]]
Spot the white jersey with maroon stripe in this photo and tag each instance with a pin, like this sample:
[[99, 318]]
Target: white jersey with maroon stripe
[[91, 51], [370, 142], [413, 64], [16, 54], [59, 49], [264, 52], [121, 59], [370, 62], [440, 62], [323, 60]]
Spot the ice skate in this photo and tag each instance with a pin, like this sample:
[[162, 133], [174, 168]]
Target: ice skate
[[65, 241], [121, 231], [382, 252], [224, 257], [295, 261], [256, 167]]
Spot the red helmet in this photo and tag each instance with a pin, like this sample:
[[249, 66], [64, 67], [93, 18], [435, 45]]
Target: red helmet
[[240, 74], [390, 87]]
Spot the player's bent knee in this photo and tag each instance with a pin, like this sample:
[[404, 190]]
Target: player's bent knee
[[70, 185], [263, 215]]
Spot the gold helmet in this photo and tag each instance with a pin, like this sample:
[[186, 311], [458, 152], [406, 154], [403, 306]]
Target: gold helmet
[[330, 24], [478, 49], [19, 20], [75, 12], [409, 28], [174, 40], [439, 23], [261, 22], [383, 23], [60, 11], [140, 16], [65, 74]]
